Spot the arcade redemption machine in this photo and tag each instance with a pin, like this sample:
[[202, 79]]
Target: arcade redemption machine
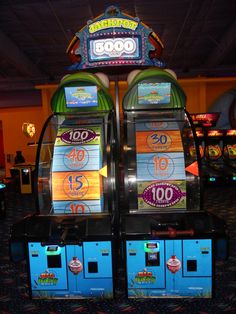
[[215, 158], [216, 148], [69, 242], [170, 243], [202, 123]]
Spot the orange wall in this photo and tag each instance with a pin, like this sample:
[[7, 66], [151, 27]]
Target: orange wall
[[202, 92], [14, 139], [12, 120]]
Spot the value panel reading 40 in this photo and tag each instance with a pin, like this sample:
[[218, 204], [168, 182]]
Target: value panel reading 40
[[86, 157]]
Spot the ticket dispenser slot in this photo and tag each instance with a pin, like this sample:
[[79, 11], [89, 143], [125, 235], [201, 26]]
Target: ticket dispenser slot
[[93, 267], [152, 254], [192, 265], [53, 256]]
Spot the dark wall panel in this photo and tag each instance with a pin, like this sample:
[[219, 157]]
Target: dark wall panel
[[22, 98]]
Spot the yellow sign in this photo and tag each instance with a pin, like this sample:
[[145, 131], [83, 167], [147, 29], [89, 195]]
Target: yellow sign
[[28, 129], [112, 22]]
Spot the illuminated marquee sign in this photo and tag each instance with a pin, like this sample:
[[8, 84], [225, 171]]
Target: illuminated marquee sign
[[114, 39], [112, 22], [102, 49], [205, 119], [213, 133], [231, 133]]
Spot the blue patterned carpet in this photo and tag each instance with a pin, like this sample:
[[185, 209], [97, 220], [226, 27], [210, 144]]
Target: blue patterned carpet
[[14, 287]]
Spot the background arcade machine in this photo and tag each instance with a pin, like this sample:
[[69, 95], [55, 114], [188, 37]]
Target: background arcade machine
[[116, 43], [229, 152], [217, 171], [215, 165], [204, 124], [170, 244], [69, 242]]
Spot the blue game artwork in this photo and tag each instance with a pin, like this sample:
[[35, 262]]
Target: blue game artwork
[[169, 268], [82, 96], [153, 93], [71, 271]]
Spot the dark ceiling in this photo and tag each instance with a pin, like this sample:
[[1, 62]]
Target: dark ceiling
[[199, 36]]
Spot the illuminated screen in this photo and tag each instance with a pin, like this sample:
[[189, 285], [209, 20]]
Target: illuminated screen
[[205, 119], [151, 245], [231, 133], [113, 48], [82, 96], [153, 93], [52, 248], [214, 133]]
